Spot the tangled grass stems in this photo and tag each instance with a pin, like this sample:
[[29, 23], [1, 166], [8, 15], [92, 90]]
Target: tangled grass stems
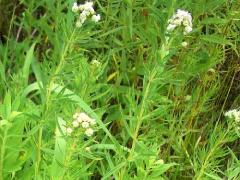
[[157, 89]]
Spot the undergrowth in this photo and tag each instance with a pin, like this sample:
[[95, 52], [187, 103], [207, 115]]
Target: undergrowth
[[159, 104]]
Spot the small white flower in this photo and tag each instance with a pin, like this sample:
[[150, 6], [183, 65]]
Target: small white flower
[[86, 10], [96, 18], [171, 27], [96, 63], [85, 124], [75, 7], [177, 21], [187, 22], [75, 123], [180, 18], [84, 117], [79, 119], [88, 5], [230, 113], [69, 131], [85, 14], [233, 114], [81, 7], [184, 16], [184, 44], [187, 29], [91, 10], [89, 132], [82, 17], [236, 115]]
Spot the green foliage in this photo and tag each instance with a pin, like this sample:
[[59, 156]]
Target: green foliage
[[158, 105]]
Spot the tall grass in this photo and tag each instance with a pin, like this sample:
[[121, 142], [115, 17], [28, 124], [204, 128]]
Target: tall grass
[[158, 105]]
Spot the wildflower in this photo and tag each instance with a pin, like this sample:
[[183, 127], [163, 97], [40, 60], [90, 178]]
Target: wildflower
[[85, 124], [84, 121], [75, 7], [75, 123], [89, 132], [88, 6], [184, 44], [69, 131], [180, 18], [84, 117], [83, 17], [96, 63], [233, 114], [85, 10], [79, 119], [96, 18], [188, 29], [86, 13], [171, 27]]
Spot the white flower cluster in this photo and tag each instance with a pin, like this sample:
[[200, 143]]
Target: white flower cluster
[[233, 114], [96, 63], [86, 10], [84, 121], [181, 18]]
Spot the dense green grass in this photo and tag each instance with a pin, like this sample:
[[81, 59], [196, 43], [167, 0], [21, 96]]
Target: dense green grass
[[159, 106]]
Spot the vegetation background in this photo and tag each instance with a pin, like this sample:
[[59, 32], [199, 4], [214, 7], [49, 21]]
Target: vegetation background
[[158, 117]]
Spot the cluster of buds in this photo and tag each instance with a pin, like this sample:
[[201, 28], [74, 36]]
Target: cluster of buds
[[84, 121], [233, 114], [180, 18], [96, 63], [86, 10]]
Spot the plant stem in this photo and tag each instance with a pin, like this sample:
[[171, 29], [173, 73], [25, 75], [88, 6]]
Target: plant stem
[[2, 154], [139, 122], [58, 69], [39, 146], [48, 95]]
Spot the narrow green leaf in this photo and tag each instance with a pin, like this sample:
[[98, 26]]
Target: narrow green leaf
[[218, 39], [7, 106], [160, 169], [27, 63], [112, 171], [59, 151]]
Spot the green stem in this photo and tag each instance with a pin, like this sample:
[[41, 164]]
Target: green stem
[[69, 156], [4, 139], [48, 95], [58, 69], [139, 123], [210, 154], [39, 146]]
